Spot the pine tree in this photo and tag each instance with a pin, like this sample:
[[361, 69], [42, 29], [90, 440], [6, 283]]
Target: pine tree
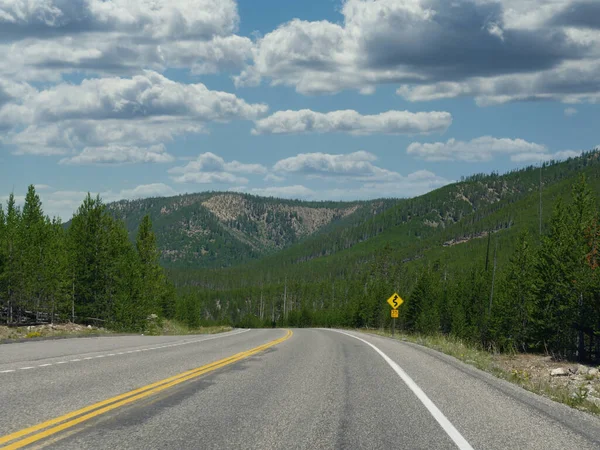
[[88, 258], [152, 279], [33, 242], [56, 274], [511, 327], [3, 299], [11, 276]]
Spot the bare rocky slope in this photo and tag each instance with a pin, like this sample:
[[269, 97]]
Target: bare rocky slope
[[218, 229]]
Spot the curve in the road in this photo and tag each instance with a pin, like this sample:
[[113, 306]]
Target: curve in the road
[[438, 415]]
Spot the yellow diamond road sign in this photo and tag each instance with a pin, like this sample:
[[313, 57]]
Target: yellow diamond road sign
[[395, 301]]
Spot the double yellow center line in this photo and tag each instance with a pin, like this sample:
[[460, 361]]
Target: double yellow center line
[[43, 430]]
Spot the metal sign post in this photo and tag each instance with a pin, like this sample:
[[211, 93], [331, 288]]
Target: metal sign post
[[394, 301]]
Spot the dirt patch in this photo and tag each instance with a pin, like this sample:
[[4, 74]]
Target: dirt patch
[[577, 383]]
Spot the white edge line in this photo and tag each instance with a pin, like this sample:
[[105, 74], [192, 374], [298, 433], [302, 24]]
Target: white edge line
[[439, 416], [7, 371]]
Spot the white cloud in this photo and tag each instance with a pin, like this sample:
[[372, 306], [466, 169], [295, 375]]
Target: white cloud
[[146, 95], [63, 203], [534, 49], [43, 37], [362, 179], [180, 19], [147, 190], [210, 168], [115, 154], [569, 82], [357, 165], [479, 149], [540, 157], [102, 114], [413, 184], [349, 121], [570, 112], [42, 187]]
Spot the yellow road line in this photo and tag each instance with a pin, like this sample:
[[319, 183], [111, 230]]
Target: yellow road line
[[81, 415]]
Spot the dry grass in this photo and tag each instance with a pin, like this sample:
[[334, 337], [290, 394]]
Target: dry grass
[[172, 328], [530, 371], [44, 331]]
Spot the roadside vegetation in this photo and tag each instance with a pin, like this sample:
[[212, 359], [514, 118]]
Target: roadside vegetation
[[8, 334], [513, 267], [505, 262], [173, 328], [575, 385]]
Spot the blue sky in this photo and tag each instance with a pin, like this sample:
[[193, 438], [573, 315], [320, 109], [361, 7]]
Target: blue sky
[[326, 99]]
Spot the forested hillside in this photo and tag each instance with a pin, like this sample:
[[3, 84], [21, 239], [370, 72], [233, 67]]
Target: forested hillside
[[507, 261], [470, 259], [220, 229], [88, 273]]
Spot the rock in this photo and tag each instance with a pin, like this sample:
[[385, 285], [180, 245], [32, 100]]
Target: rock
[[593, 372], [582, 369], [560, 372], [89, 327], [593, 399], [152, 317]]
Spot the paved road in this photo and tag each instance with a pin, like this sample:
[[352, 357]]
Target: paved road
[[313, 389]]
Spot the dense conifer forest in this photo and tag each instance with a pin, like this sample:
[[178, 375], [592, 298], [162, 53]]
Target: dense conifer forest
[[89, 272], [508, 262]]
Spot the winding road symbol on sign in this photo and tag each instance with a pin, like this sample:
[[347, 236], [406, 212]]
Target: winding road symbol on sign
[[395, 301]]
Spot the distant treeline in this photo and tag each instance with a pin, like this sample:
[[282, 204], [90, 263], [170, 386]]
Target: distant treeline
[[546, 297], [89, 272]]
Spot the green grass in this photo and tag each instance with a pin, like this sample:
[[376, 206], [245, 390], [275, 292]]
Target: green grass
[[174, 328], [488, 360]]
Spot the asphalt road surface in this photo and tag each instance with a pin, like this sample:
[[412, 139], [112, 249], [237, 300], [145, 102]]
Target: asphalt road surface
[[263, 389]]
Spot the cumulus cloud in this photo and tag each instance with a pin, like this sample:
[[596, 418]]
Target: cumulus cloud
[[357, 165], [147, 190], [210, 168], [541, 157], [349, 121], [63, 203], [119, 36], [362, 178], [476, 150], [494, 50], [116, 154], [179, 19], [413, 184], [141, 111]]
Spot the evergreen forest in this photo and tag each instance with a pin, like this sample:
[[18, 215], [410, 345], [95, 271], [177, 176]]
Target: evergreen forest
[[506, 261]]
